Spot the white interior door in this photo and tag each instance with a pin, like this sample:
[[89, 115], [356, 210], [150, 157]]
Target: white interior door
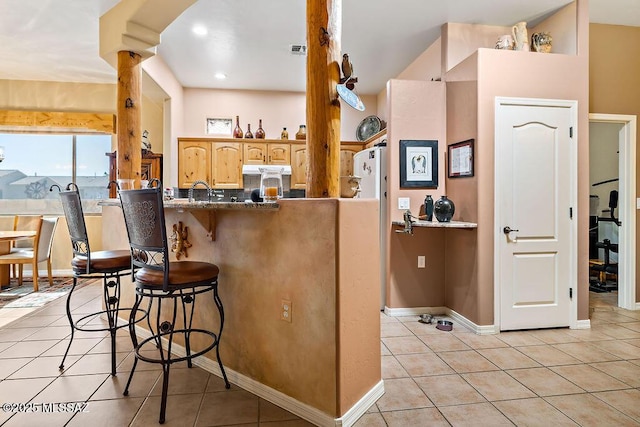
[[535, 191]]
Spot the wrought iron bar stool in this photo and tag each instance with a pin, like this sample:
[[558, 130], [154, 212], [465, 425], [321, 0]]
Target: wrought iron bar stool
[[110, 265], [160, 280]]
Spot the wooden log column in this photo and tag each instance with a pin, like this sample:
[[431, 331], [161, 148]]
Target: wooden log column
[[324, 27], [129, 110]]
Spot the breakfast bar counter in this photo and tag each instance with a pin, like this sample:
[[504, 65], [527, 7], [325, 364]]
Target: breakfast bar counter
[[319, 257]]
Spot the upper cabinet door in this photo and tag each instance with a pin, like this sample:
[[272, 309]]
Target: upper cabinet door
[[194, 162], [227, 164], [346, 158], [299, 166], [279, 154], [255, 153]]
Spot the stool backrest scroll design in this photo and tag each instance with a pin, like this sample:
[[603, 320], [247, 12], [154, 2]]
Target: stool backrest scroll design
[[72, 206], [143, 212]]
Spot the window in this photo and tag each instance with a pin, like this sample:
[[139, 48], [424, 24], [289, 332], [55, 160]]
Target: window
[[34, 162]]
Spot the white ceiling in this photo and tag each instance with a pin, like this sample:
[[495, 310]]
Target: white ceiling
[[249, 40]]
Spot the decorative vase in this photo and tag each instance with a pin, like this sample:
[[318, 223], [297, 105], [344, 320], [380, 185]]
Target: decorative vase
[[260, 131], [248, 135], [284, 134], [302, 132], [541, 42], [237, 132], [520, 38], [444, 209], [428, 207]]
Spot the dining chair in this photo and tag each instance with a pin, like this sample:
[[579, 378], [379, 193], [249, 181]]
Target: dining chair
[[88, 264], [23, 223], [45, 242], [27, 257], [170, 287]]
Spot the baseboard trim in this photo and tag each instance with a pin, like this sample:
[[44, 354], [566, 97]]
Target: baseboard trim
[[478, 329], [361, 407], [414, 311], [280, 399], [442, 311], [583, 324]]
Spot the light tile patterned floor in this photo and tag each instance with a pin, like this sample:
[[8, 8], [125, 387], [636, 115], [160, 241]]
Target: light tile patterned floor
[[525, 378]]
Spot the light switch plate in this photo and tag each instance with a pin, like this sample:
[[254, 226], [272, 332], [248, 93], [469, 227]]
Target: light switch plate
[[404, 203], [638, 203]]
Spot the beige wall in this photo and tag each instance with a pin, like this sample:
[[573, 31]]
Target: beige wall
[[276, 109], [416, 112], [328, 357], [614, 83]]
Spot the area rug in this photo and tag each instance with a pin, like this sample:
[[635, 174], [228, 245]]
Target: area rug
[[16, 296]]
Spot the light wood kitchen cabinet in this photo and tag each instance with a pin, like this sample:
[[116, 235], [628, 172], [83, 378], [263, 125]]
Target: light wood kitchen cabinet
[[299, 166], [261, 153], [219, 164], [226, 159], [347, 151], [194, 162]]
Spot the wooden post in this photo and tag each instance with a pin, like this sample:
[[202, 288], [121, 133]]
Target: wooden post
[[129, 110], [324, 28]]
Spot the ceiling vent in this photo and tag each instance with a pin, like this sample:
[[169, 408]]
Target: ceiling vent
[[298, 49]]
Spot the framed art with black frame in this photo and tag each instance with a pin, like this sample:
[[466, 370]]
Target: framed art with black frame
[[460, 159], [418, 164]]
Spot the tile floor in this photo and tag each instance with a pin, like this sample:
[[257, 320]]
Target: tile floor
[[560, 376]]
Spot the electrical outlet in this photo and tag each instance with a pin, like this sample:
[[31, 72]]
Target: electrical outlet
[[421, 261], [404, 203], [285, 311]]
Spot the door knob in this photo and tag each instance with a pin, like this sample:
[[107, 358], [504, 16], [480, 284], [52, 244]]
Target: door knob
[[508, 230]]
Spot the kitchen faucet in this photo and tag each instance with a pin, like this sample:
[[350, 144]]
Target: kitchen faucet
[[195, 183]]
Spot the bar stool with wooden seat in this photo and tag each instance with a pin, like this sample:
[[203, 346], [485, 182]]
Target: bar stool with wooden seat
[[109, 265], [161, 281]]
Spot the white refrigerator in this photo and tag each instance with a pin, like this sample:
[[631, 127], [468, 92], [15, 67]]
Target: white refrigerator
[[371, 166]]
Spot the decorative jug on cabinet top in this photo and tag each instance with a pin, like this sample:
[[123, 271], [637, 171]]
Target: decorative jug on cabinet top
[[541, 42], [520, 37]]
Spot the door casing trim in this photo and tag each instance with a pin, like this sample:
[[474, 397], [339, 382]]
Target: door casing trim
[[627, 206], [573, 197]]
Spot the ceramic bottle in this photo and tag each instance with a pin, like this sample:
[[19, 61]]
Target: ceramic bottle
[[444, 209], [302, 132], [428, 207], [259, 131], [237, 132], [284, 134], [248, 135]]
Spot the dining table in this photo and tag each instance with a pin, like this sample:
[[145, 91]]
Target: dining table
[[6, 238]]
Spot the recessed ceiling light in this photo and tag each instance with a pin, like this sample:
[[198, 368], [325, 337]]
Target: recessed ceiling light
[[220, 76], [200, 30]]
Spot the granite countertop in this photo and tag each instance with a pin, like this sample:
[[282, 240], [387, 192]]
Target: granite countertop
[[186, 204]]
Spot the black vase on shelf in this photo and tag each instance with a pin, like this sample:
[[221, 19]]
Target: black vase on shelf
[[444, 209], [428, 207]]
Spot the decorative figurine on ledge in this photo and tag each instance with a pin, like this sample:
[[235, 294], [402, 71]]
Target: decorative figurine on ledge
[[179, 240], [348, 79]]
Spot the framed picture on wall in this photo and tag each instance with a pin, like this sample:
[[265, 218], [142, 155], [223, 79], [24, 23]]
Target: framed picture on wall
[[219, 126], [460, 159], [418, 164]]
